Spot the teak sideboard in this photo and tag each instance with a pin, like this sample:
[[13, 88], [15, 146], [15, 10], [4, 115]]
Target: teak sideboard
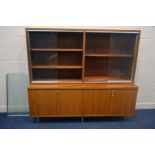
[[82, 72]]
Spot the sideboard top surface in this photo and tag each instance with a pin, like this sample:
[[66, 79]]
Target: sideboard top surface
[[84, 86]]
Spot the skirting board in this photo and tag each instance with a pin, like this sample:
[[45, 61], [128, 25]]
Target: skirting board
[[3, 108], [145, 105], [139, 105]]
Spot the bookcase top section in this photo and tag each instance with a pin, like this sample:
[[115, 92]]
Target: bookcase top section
[[82, 30], [69, 55]]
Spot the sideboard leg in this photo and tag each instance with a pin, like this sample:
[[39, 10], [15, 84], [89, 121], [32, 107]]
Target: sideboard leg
[[126, 118], [38, 120], [82, 119]]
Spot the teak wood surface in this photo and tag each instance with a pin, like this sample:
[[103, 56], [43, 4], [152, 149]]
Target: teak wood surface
[[73, 102], [82, 88]]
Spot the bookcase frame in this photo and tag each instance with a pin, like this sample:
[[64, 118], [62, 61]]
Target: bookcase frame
[[82, 72], [85, 61]]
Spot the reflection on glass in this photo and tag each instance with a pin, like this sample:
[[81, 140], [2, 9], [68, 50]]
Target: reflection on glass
[[110, 43], [109, 56], [55, 74], [55, 40]]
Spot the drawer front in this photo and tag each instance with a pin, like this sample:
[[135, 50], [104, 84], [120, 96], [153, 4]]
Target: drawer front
[[42, 103]]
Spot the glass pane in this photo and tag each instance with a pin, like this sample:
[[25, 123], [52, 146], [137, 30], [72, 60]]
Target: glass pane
[[120, 68], [122, 44], [56, 74], [17, 93], [56, 55], [43, 74], [55, 39], [107, 44], [49, 65], [122, 48], [109, 56], [97, 43], [56, 58], [96, 69]]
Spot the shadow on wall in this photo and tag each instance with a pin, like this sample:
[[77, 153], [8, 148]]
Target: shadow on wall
[[17, 97]]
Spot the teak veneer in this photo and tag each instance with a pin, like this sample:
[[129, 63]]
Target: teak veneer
[[82, 72]]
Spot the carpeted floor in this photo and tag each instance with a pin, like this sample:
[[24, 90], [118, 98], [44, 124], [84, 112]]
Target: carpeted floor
[[143, 119]]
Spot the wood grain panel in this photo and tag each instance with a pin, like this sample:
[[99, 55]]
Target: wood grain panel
[[42, 103], [70, 102], [82, 86], [123, 102], [80, 29], [69, 59], [97, 102]]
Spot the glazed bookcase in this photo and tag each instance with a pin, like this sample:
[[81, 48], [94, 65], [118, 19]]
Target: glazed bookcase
[[82, 72]]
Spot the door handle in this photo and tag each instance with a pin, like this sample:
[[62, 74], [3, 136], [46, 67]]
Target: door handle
[[112, 92], [58, 92]]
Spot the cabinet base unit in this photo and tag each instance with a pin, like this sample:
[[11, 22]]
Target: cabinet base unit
[[79, 100], [82, 72]]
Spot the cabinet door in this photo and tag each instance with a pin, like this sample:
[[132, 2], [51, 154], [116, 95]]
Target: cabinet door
[[123, 102], [97, 102], [42, 103], [70, 102]]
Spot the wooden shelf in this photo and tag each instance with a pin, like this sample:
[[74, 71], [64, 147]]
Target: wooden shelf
[[103, 78], [57, 66], [96, 78], [107, 54], [55, 49], [57, 81]]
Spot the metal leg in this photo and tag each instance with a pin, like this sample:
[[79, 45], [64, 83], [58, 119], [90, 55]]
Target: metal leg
[[82, 119], [34, 120], [126, 118], [38, 120]]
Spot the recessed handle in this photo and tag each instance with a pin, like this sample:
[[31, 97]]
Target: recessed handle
[[112, 92], [58, 92]]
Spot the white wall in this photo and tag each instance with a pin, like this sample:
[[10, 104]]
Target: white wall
[[13, 58]]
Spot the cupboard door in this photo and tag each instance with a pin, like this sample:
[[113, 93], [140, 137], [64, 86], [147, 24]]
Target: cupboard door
[[123, 102], [70, 102], [97, 102], [42, 103]]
